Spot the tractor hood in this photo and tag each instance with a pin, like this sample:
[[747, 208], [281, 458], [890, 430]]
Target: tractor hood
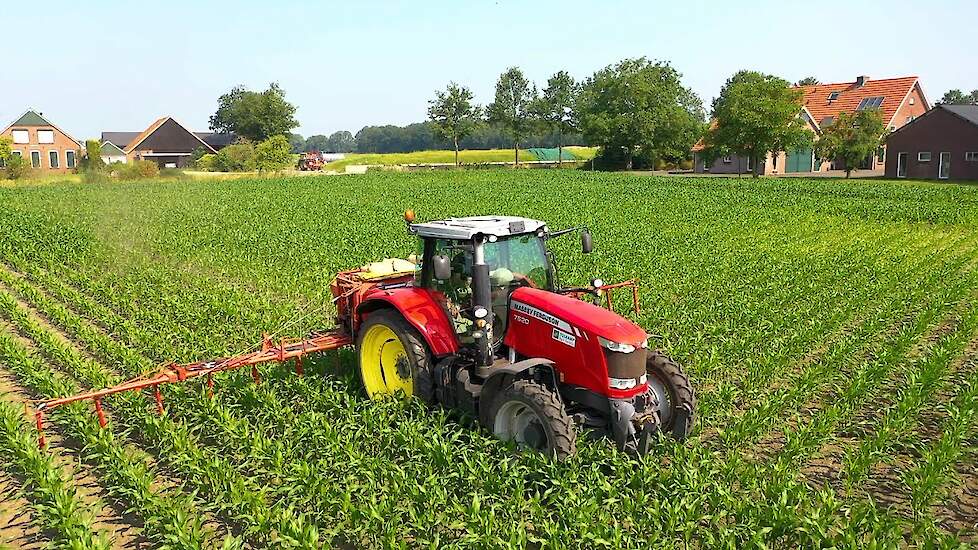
[[582, 315]]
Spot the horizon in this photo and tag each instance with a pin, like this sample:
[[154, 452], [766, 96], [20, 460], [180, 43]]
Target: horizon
[[346, 70]]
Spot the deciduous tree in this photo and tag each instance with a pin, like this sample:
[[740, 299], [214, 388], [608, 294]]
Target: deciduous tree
[[852, 138], [756, 114], [275, 153], [256, 116], [555, 107], [511, 107], [957, 97], [808, 81], [341, 142], [92, 161], [6, 148], [637, 105], [452, 114], [317, 142], [297, 143]]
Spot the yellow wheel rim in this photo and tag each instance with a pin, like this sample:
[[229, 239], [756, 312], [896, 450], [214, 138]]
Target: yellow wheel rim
[[384, 364]]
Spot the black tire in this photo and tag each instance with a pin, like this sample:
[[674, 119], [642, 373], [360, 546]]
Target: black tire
[[417, 352], [671, 385], [548, 428]]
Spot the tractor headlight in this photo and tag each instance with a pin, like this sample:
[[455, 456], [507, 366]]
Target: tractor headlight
[[480, 312], [616, 346]]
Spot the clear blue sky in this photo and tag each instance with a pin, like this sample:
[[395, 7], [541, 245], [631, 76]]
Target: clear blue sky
[[111, 65]]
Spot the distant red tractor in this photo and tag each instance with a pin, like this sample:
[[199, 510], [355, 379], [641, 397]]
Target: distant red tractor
[[479, 322], [311, 161]]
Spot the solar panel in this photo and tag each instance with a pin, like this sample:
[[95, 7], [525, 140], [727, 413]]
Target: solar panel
[[870, 103]]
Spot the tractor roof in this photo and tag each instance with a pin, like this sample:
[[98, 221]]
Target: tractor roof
[[466, 228]]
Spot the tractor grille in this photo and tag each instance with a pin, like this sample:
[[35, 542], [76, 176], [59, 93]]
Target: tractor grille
[[625, 365]]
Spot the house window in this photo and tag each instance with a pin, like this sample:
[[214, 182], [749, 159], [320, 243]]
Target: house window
[[750, 164], [911, 101], [902, 165], [35, 159], [881, 154], [45, 136], [21, 136], [53, 160], [727, 159], [70, 159], [971, 157], [869, 103], [923, 156], [944, 170], [18, 153], [833, 96]]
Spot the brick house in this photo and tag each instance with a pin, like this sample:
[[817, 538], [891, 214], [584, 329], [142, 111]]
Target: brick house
[[166, 142], [47, 147], [942, 144], [899, 100]]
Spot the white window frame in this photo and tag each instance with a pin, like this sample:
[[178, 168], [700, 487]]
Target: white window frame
[[905, 157], [940, 167], [45, 142], [727, 159], [18, 153], [750, 164], [15, 133], [971, 156], [38, 159], [57, 159], [833, 96], [70, 164], [921, 158]]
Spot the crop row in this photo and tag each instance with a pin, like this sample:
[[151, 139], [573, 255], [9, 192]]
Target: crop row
[[168, 518]]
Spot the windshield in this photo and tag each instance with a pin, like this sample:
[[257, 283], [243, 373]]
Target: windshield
[[517, 261]]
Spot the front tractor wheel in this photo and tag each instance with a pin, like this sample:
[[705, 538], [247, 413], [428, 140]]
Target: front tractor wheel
[[531, 415], [392, 357], [676, 400]]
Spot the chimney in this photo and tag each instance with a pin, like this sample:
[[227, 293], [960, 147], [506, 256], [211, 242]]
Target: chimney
[[861, 81]]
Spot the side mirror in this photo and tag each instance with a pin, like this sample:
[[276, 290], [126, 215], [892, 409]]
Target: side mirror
[[586, 245], [442, 267]]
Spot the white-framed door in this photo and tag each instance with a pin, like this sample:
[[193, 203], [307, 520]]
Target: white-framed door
[[901, 165], [944, 170]]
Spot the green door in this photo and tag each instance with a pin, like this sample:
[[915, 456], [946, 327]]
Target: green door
[[799, 160]]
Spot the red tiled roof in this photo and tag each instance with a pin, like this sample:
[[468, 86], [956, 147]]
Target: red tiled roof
[[892, 90]]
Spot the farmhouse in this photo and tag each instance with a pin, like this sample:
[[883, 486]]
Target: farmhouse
[[166, 142], [899, 100], [942, 144], [49, 148]]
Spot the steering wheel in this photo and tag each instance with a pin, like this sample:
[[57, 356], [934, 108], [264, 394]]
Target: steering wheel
[[524, 280]]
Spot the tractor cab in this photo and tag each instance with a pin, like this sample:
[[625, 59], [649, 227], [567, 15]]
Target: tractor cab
[[473, 265]]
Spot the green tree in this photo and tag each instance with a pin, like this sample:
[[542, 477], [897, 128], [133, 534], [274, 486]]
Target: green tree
[[6, 149], [275, 153], [808, 81], [317, 142], [341, 142], [554, 109], [640, 106], [511, 107], [17, 167], [452, 114], [957, 97], [852, 138], [756, 114], [238, 157], [297, 143], [92, 161], [256, 116]]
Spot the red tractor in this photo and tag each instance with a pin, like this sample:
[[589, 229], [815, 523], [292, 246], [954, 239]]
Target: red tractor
[[311, 161], [480, 323]]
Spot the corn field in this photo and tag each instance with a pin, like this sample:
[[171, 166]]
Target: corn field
[[830, 330]]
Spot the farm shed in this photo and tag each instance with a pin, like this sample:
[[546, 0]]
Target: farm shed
[[166, 142], [47, 147], [899, 100], [112, 153], [943, 144]]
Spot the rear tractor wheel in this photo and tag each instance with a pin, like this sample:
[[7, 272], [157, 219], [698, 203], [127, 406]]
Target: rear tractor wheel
[[677, 403], [531, 415], [392, 357]]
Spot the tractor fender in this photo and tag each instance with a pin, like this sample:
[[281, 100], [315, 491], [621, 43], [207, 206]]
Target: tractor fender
[[419, 309], [499, 377]]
